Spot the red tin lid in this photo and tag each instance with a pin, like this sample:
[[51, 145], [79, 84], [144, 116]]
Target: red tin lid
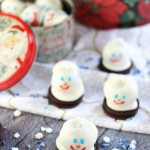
[[17, 50]]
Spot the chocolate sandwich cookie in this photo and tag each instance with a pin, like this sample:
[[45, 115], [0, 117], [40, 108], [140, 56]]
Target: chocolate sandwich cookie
[[122, 115], [103, 68], [62, 104]]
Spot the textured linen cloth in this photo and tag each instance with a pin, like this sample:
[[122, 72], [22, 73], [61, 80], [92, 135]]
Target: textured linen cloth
[[30, 95]]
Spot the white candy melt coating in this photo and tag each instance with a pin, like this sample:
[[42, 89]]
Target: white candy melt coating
[[115, 55], [121, 93], [32, 15], [66, 83], [53, 17], [49, 4], [77, 132], [12, 6]]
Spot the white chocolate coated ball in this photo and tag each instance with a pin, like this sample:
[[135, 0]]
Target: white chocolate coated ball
[[12, 6], [77, 133], [32, 15], [121, 93], [66, 83], [49, 4], [115, 55], [53, 17]]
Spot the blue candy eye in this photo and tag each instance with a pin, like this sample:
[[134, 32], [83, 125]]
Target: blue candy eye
[[27, 21], [123, 97], [116, 96], [69, 78], [120, 55], [26, 14], [47, 9], [113, 55], [62, 79], [15, 8], [43, 6], [82, 141], [75, 140]]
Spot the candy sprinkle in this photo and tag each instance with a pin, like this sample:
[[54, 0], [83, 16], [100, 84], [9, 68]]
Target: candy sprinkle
[[16, 135], [39, 136]]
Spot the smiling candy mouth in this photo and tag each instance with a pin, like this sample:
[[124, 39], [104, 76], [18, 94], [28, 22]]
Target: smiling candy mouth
[[78, 146], [66, 87], [115, 60], [119, 102]]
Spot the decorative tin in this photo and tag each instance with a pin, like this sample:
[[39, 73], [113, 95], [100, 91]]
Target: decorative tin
[[54, 43], [17, 50], [106, 14]]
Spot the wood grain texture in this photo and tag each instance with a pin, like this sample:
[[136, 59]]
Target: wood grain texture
[[28, 125]]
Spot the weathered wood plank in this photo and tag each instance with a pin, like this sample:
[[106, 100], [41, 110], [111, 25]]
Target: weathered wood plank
[[28, 125]]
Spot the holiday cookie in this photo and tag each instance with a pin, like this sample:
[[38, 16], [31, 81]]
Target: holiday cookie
[[49, 4], [66, 89], [121, 97], [32, 15], [77, 134], [12, 6], [53, 17], [115, 57]]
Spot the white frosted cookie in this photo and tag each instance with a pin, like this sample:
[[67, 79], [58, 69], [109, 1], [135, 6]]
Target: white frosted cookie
[[115, 55], [32, 15], [77, 134], [53, 17], [49, 4], [66, 83], [12, 6], [121, 93]]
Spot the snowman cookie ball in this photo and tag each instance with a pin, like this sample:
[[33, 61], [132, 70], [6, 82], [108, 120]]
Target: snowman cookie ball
[[32, 15], [121, 97], [115, 58], [12, 6], [53, 17], [77, 134], [49, 4], [66, 89]]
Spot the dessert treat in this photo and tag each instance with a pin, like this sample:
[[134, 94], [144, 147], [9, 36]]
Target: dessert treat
[[53, 17], [121, 97], [12, 6], [77, 134], [115, 57], [17, 50], [49, 4], [66, 89], [32, 15]]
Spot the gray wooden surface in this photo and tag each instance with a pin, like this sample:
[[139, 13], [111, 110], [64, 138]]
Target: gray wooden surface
[[28, 125]]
